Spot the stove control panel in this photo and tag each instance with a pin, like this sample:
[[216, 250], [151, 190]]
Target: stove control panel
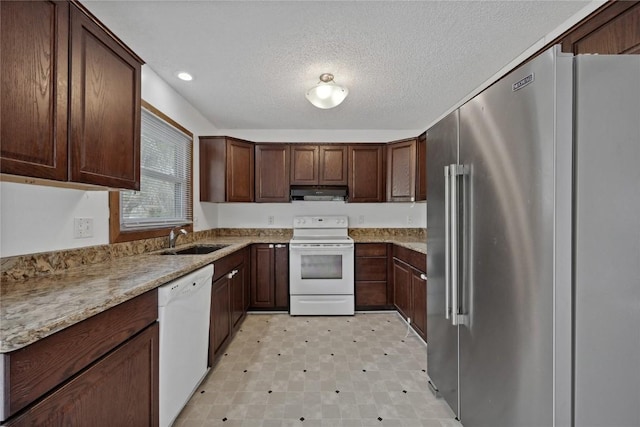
[[323, 221]]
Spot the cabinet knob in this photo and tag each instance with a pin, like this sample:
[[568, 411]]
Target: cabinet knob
[[270, 246], [423, 276]]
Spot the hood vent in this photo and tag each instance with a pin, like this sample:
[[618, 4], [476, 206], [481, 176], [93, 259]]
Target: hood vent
[[311, 193]]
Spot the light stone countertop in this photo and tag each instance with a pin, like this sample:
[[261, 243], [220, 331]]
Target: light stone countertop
[[35, 308]]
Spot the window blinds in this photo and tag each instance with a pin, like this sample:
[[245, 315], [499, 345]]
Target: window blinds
[[164, 198]]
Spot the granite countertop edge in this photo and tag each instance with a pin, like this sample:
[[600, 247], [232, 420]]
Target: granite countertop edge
[[33, 309]]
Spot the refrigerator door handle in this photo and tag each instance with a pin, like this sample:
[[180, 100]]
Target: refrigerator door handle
[[453, 170], [447, 242]]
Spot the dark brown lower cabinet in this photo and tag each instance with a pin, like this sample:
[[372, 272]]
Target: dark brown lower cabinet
[[410, 288], [419, 299], [220, 328], [91, 373], [119, 389], [269, 276], [229, 297], [402, 288], [371, 288]]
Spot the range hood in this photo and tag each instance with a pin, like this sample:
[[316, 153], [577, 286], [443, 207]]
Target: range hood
[[314, 193]]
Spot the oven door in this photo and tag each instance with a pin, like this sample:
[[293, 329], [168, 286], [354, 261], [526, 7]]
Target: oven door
[[321, 269]]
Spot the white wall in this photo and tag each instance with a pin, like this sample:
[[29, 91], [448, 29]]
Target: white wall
[[39, 219], [361, 215]]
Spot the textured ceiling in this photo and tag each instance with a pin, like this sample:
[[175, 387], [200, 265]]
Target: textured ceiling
[[405, 63]]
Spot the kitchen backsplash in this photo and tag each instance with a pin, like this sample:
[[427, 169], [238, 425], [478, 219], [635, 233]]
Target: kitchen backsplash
[[41, 264]]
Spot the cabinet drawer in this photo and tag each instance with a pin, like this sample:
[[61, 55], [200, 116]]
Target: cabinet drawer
[[415, 259], [371, 269], [228, 263], [371, 249], [370, 294], [43, 365]]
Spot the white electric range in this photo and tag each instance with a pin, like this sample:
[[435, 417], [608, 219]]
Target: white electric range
[[321, 266]]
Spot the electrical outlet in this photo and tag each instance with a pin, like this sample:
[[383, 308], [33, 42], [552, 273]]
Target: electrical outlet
[[270, 219], [409, 220], [82, 228], [361, 219]]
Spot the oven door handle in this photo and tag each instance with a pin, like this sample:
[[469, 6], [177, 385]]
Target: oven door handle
[[312, 247]]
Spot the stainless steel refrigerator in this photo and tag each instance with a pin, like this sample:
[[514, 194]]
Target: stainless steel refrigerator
[[518, 232]]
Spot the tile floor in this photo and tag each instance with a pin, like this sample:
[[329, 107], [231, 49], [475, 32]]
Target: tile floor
[[319, 371]]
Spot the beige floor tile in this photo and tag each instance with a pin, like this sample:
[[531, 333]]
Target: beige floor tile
[[319, 371]]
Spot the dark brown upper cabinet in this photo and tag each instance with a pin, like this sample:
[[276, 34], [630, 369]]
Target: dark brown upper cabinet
[[319, 164], [105, 107], [332, 165], [401, 171], [226, 169], [367, 173], [421, 167], [304, 164], [613, 29], [34, 104], [70, 108], [272, 173]]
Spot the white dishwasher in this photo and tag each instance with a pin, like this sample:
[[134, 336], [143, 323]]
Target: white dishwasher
[[183, 311]]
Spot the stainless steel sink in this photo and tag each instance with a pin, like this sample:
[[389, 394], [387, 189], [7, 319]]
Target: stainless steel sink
[[194, 250]]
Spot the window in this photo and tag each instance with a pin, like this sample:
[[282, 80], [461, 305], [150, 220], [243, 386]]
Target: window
[[165, 196]]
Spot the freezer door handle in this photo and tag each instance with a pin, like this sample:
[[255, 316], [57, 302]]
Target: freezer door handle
[[447, 242]]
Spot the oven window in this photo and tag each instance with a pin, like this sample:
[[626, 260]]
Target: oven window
[[321, 266]]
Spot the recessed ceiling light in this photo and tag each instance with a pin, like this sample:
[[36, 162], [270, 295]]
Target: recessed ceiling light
[[185, 76]]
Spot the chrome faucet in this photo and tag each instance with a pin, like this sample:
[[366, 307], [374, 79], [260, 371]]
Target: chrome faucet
[[173, 236]]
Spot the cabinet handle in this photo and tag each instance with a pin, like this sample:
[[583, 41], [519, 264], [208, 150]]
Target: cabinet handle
[[423, 276], [280, 246], [271, 246]]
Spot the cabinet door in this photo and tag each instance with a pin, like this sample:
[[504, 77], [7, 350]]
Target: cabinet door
[[120, 389], [262, 276], [304, 165], [612, 30], [332, 165], [240, 161], [247, 278], [419, 300], [421, 168], [236, 289], [366, 173], [34, 72], [272, 173], [281, 276], [401, 171], [104, 107], [402, 288], [220, 327], [213, 165]]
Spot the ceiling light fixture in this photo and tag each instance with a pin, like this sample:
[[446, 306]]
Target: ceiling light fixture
[[182, 75], [327, 94]]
